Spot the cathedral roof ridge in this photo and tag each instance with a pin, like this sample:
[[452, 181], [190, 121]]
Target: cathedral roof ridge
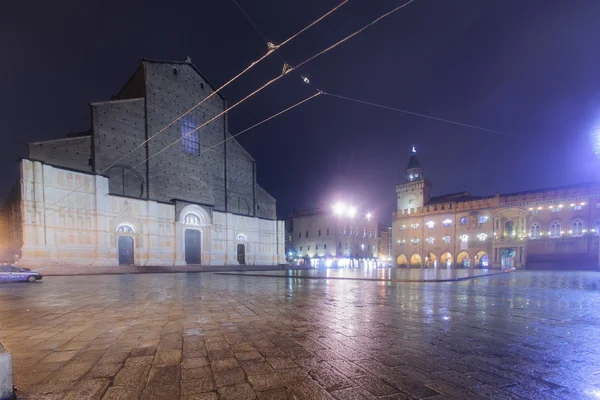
[[188, 61]]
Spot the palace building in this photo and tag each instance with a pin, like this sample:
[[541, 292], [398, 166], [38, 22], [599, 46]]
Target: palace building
[[556, 227], [324, 238], [126, 193]]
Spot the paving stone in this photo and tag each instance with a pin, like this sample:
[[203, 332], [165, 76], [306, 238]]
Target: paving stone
[[265, 382], [201, 396], [160, 393], [89, 389], [104, 370], [310, 335], [196, 373], [275, 394], [230, 377], [121, 393], [199, 385], [237, 392], [134, 376], [165, 375], [224, 364], [195, 362]]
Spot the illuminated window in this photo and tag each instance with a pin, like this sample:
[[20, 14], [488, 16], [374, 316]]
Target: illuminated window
[[535, 231], [414, 226], [597, 226], [447, 222], [464, 220], [447, 239], [189, 135], [464, 238], [402, 227], [577, 228], [483, 219], [536, 211], [430, 224], [482, 237], [555, 229], [401, 241], [415, 240], [555, 208], [430, 240], [577, 207]]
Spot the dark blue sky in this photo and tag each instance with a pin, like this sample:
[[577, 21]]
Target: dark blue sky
[[530, 68]]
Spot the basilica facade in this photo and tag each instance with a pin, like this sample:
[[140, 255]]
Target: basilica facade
[[556, 227], [127, 192]]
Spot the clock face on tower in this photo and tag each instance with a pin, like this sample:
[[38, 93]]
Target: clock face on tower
[[410, 201]]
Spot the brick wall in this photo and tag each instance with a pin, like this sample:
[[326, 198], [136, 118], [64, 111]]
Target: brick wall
[[118, 129], [71, 153]]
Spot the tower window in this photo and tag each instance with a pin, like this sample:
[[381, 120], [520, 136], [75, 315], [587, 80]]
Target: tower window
[[464, 220]]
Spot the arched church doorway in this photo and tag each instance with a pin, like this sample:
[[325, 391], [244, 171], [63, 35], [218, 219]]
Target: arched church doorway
[[126, 250], [241, 249]]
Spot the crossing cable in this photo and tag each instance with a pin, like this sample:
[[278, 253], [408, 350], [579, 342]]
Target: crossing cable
[[418, 114], [287, 69], [271, 48], [210, 148]]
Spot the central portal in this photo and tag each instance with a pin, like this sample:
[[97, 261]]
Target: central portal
[[192, 247], [126, 250], [241, 253]]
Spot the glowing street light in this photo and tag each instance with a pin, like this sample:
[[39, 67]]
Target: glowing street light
[[339, 208], [369, 216], [351, 212]]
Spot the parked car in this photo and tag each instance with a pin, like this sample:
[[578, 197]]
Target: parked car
[[10, 273]]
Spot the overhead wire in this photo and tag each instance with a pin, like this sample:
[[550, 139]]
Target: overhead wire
[[418, 114], [287, 69], [271, 48]]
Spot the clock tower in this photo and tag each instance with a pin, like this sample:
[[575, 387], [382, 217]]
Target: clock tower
[[414, 192]]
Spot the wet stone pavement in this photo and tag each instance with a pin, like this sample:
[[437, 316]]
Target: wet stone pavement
[[532, 335]]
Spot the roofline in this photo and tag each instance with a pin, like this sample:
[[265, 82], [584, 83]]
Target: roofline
[[94, 103], [191, 65], [541, 190], [62, 139]]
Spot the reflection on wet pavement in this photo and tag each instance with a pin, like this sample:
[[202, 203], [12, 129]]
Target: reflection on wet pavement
[[526, 334], [384, 274]]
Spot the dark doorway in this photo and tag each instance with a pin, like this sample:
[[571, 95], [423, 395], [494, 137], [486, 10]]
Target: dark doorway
[[241, 253], [126, 250], [192, 246]]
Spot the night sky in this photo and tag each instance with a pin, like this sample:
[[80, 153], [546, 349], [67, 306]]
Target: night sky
[[529, 68]]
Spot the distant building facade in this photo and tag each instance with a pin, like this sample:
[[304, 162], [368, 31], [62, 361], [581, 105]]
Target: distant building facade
[[385, 244], [322, 238], [551, 227], [196, 202]]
